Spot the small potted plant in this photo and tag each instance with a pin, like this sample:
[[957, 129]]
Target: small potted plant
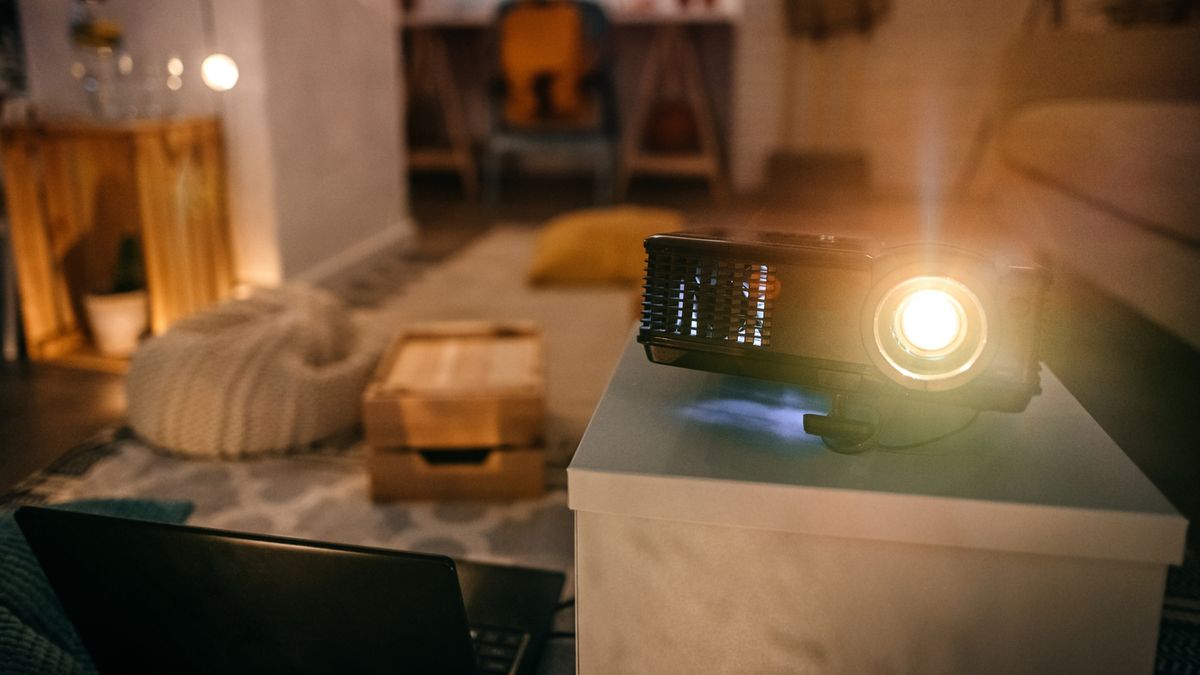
[[119, 317]]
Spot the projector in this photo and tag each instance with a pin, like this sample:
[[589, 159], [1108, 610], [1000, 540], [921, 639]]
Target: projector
[[927, 322]]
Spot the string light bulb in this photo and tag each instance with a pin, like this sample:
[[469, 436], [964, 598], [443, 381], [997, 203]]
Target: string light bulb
[[219, 72]]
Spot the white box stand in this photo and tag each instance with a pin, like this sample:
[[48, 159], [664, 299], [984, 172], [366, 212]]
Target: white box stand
[[714, 536]]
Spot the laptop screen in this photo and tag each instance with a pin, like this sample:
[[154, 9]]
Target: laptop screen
[[151, 597]]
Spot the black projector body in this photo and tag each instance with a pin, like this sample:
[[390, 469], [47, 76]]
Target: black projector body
[[828, 313]]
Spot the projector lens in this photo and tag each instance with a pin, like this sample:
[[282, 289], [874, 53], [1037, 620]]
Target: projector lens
[[930, 331], [929, 323]]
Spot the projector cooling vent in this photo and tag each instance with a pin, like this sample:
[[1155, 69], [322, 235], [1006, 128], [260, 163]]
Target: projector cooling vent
[[702, 297]]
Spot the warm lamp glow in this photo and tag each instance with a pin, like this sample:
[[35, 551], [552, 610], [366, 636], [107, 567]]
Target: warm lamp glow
[[929, 321], [219, 72]]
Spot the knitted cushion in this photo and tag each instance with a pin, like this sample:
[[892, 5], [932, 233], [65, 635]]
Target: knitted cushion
[[280, 369], [35, 635]]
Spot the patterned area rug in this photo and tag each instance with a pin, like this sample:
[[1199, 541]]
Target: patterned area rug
[[318, 494]]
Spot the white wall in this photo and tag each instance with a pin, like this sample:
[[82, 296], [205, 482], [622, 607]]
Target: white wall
[[910, 95], [333, 69], [152, 31], [312, 127], [759, 51], [253, 200]]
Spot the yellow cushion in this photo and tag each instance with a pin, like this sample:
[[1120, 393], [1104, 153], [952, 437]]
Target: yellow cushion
[[602, 245]]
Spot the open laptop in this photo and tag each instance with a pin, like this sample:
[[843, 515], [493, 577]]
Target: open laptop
[[150, 597]]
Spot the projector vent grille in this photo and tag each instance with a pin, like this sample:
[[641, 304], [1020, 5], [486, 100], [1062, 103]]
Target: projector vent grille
[[717, 299]]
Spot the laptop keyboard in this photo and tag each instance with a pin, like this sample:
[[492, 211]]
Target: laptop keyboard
[[498, 650]]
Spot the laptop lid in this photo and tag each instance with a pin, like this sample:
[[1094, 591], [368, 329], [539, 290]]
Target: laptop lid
[[152, 597]]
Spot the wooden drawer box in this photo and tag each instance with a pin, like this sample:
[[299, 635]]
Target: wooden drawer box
[[458, 385], [455, 474]]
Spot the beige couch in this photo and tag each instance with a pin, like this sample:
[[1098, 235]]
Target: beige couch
[[1100, 154]]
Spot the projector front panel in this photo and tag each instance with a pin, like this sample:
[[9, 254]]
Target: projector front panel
[[817, 312], [789, 309]]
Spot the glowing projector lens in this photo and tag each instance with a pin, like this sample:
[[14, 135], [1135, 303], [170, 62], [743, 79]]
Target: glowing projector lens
[[930, 323], [930, 329]]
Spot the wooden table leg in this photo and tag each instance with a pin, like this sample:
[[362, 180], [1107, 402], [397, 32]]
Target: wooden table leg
[[672, 50], [431, 67]]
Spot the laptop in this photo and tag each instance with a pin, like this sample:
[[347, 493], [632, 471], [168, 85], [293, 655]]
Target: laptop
[[150, 597]]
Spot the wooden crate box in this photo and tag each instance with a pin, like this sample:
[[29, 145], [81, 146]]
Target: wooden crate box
[[458, 385], [74, 189], [456, 474], [455, 411]]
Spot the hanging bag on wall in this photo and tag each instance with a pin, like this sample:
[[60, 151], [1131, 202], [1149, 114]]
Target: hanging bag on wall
[[820, 19]]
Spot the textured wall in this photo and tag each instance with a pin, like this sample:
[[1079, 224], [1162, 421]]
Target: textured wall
[[333, 106], [311, 127], [152, 31], [910, 96]]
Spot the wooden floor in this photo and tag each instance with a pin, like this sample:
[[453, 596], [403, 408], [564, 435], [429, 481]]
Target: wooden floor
[[46, 410], [1136, 379]]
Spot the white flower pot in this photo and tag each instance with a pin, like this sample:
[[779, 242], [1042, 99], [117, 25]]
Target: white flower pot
[[117, 320]]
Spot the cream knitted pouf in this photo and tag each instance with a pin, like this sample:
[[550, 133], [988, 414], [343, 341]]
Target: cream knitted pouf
[[280, 369]]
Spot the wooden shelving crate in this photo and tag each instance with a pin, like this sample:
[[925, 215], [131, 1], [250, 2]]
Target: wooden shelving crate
[[74, 189], [456, 410]]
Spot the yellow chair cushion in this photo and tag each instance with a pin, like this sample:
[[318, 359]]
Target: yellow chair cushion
[[601, 245]]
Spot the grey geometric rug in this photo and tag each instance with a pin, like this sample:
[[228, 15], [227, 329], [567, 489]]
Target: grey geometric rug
[[318, 494]]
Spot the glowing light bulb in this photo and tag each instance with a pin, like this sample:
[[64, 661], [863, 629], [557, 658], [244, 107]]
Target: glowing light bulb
[[219, 72], [930, 321]]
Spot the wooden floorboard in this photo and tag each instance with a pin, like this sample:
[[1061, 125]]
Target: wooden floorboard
[[46, 409]]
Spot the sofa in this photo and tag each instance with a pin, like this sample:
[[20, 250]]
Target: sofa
[[1099, 153]]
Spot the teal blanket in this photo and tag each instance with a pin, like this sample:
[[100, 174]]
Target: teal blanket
[[35, 636]]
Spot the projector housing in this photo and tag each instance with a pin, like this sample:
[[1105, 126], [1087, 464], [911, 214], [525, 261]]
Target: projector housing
[[819, 311]]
